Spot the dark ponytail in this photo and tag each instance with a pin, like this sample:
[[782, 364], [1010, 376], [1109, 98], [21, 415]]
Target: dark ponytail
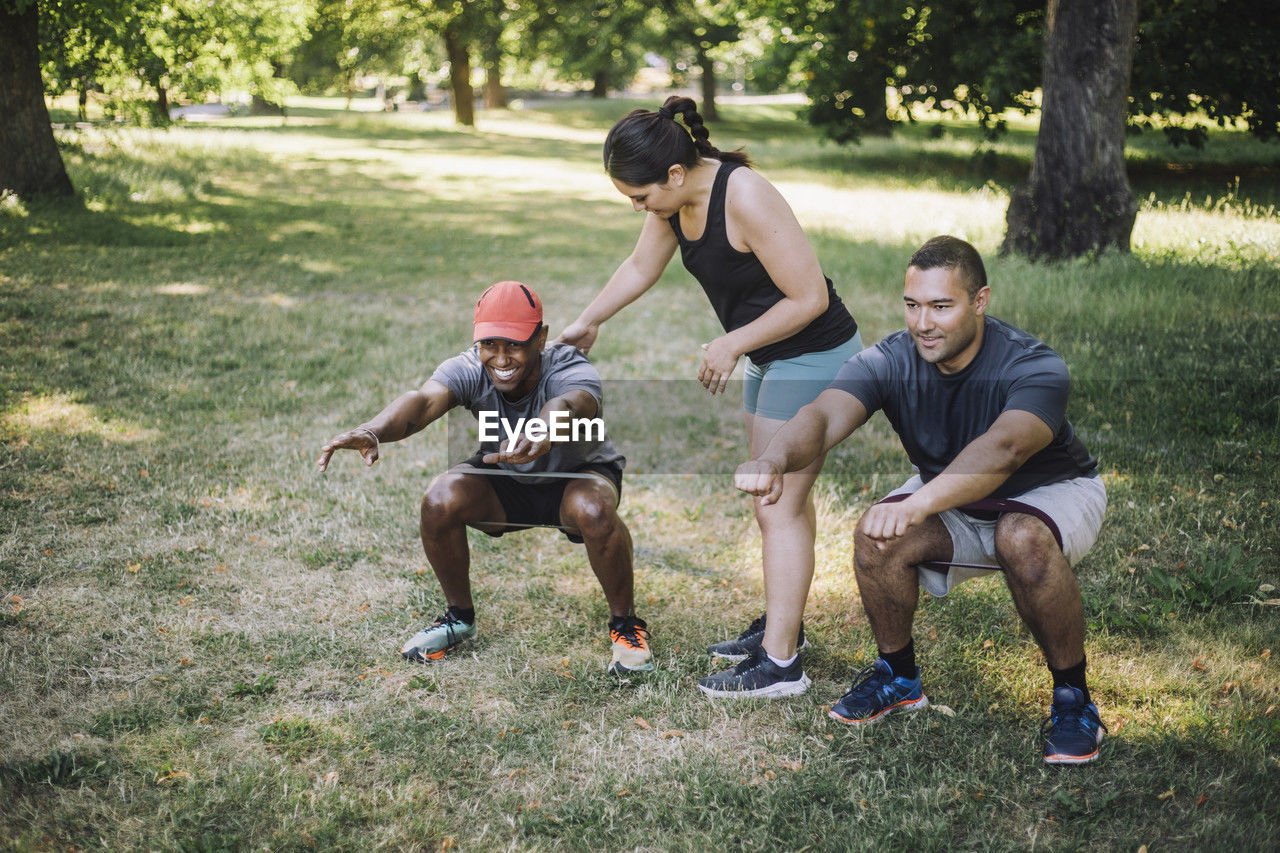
[[644, 144]]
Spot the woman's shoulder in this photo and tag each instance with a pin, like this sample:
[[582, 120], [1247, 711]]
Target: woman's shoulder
[[749, 195]]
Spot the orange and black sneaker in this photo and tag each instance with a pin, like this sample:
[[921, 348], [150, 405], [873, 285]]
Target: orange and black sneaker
[[445, 633], [630, 637]]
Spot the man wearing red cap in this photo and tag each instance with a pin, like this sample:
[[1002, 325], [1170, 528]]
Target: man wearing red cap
[[521, 477]]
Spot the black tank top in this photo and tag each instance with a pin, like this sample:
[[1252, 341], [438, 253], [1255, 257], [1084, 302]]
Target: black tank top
[[740, 289]]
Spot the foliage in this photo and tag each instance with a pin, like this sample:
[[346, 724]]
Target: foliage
[[174, 49], [1201, 58], [1212, 578], [1210, 58], [600, 42]]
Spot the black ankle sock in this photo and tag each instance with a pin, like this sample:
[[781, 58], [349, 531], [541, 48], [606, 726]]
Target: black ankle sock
[[468, 615], [1072, 676], [903, 661]]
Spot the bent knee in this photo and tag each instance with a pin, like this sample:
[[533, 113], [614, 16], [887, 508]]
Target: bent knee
[[446, 496], [592, 514]]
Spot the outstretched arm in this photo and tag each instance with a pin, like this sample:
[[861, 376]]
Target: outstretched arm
[[654, 248], [406, 415], [577, 402], [814, 430], [975, 473]]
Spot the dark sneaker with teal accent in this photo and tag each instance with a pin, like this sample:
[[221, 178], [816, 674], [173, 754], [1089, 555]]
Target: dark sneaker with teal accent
[[757, 676], [630, 638], [876, 694], [431, 643], [746, 643], [1073, 732]]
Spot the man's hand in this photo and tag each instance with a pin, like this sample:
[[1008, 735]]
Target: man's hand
[[884, 522], [718, 361], [524, 451], [579, 335], [759, 478], [360, 439]]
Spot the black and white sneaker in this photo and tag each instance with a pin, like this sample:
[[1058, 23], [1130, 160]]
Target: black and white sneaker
[[757, 676], [746, 643]]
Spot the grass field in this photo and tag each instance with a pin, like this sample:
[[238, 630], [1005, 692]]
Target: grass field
[[199, 634]]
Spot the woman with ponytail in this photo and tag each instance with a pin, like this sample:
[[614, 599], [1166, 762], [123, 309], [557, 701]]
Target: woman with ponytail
[[741, 241]]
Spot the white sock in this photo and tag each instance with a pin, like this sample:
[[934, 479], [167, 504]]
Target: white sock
[[783, 664]]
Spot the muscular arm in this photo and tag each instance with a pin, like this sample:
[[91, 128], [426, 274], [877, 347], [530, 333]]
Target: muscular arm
[[760, 221], [814, 430], [976, 472], [404, 416], [632, 279], [759, 217], [577, 402]]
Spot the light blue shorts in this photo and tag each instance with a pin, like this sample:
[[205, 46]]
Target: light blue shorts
[[781, 388]]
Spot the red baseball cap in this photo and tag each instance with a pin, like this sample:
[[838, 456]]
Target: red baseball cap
[[508, 310]]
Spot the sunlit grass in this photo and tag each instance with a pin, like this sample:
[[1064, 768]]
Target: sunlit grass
[[199, 634]]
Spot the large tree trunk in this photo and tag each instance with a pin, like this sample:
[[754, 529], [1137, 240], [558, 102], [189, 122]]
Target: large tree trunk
[[707, 109], [30, 163], [464, 97], [1077, 199]]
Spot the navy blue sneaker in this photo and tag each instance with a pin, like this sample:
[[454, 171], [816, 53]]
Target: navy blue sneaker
[[757, 676], [1073, 732], [876, 693], [745, 644]]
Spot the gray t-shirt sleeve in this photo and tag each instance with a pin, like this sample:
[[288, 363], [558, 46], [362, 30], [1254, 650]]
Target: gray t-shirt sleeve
[[864, 376], [461, 375], [568, 370], [1041, 385]]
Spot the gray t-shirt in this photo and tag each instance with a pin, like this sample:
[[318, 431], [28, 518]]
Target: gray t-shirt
[[938, 414], [564, 369]]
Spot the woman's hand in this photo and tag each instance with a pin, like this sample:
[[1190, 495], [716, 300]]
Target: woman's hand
[[719, 358], [580, 335]]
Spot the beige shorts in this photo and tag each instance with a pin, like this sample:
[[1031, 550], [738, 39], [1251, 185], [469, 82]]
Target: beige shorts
[[1073, 509]]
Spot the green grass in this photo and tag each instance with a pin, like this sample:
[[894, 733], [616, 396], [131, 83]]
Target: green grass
[[199, 633]]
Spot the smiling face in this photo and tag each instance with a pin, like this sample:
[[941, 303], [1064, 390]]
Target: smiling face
[[513, 367], [944, 322], [659, 199]]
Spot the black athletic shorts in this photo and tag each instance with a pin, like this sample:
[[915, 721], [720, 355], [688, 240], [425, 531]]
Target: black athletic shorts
[[538, 504]]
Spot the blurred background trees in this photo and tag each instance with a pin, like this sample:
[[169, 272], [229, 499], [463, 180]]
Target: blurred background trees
[[865, 66]]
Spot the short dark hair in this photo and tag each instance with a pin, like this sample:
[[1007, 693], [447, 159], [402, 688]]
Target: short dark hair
[[953, 254], [645, 144]]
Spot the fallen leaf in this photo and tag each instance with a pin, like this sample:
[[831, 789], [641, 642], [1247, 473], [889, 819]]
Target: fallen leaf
[[793, 766], [172, 775], [643, 723], [331, 778], [1200, 801], [133, 567], [1195, 664], [514, 773], [667, 735], [1166, 795], [986, 644], [625, 792], [567, 724], [1230, 685], [1266, 654], [944, 710], [447, 843]]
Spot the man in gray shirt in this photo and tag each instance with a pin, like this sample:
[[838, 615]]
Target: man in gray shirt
[[1003, 484], [544, 460]]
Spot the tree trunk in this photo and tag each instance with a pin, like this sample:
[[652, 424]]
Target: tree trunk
[[82, 104], [495, 96], [162, 104], [464, 97], [600, 83], [30, 163], [707, 109], [1077, 199]]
